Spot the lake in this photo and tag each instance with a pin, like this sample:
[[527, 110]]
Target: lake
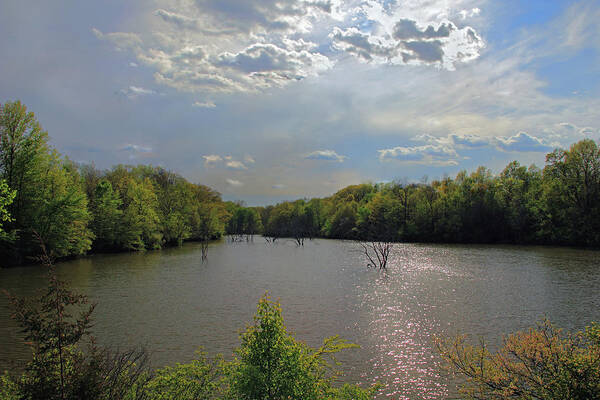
[[173, 302]]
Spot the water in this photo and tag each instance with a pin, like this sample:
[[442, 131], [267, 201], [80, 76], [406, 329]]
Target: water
[[172, 302]]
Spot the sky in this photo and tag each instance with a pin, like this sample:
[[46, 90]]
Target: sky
[[271, 100]]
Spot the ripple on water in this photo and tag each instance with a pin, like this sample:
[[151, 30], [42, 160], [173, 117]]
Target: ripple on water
[[173, 302]]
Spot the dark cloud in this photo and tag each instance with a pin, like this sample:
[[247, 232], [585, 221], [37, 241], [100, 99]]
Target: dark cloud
[[430, 51], [406, 29]]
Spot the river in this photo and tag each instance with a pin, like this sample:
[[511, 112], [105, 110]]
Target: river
[[173, 302]]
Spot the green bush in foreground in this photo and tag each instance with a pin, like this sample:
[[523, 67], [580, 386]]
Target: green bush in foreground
[[541, 363]]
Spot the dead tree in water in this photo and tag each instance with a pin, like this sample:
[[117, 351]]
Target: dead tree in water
[[204, 249], [270, 239], [377, 253]]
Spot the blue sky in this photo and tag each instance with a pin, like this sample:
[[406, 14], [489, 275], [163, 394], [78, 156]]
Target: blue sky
[[266, 100]]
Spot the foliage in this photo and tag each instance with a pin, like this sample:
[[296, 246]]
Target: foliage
[[541, 363], [49, 198], [271, 364], [106, 216], [7, 196], [197, 380]]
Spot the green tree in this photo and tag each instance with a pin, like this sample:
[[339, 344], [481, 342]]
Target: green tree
[[6, 198], [50, 199], [61, 215], [23, 150], [573, 187], [49, 326], [141, 219], [271, 364], [106, 216], [197, 380]]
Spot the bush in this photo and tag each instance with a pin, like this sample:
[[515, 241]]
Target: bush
[[541, 363]]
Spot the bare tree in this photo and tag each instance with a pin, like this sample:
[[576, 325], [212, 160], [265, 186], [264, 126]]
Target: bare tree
[[377, 253], [204, 249], [270, 239]]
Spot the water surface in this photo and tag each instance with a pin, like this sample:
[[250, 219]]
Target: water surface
[[172, 302]]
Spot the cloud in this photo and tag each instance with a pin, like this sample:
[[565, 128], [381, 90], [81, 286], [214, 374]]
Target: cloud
[[234, 182], [469, 141], [328, 155], [408, 29], [180, 20], [133, 65], [121, 40], [237, 165], [249, 159], [136, 148], [204, 104], [391, 37], [470, 13], [278, 186], [523, 142], [269, 65], [228, 46], [136, 151], [588, 131], [133, 92], [360, 44], [212, 159], [425, 51], [427, 154]]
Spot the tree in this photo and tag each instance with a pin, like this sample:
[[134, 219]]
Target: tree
[[54, 325], [23, 149], [48, 324], [271, 364], [6, 198], [141, 217], [106, 216], [49, 199], [377, 253], [60, 214], [573, 186], [542, 363]]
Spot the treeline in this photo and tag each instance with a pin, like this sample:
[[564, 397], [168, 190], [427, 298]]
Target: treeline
[[555, 205], [74, 209]]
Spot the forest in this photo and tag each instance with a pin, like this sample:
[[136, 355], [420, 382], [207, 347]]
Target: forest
[[77, 209]]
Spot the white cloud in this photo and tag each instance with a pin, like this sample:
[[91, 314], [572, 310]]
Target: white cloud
[[249, 159], [229, 46], [238, 165], [426, 154], [523, 142], [234, 182], [204, 104], [278, 186], [133, 92], [473, 12], [212, 159], [328, 155]]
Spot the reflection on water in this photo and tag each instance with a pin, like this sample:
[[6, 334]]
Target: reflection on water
[[173, 302]]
